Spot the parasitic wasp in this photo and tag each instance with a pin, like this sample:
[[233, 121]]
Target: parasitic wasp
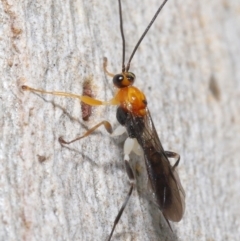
[[135, 119]]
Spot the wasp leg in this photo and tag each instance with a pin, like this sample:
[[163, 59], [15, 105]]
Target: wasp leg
[[137, 149], [175, 155], [86, 99], [171, 154], [106, 124], [128, 147], [169, 225], [121, 211], [117, 132], [105, 67]]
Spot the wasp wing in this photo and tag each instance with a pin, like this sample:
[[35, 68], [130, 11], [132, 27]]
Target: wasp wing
[[164, 179]]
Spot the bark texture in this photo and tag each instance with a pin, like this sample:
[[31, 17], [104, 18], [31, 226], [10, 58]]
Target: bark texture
[[188, 67]]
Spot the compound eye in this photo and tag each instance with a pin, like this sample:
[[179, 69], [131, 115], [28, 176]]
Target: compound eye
[[117, 80], [131, 77]]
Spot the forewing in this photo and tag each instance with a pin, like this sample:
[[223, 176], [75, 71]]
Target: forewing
[[164, 180], [175, 213]]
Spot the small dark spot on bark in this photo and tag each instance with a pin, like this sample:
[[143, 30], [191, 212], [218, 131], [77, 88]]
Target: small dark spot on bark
[[41, 159], [214, 88]]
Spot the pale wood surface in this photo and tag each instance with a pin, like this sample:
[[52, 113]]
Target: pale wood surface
[[188, 67]]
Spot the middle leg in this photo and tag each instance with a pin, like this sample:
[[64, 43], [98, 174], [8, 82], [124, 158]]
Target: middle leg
[[106, 124]]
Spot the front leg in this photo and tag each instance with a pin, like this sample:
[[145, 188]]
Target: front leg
[[84, 98]]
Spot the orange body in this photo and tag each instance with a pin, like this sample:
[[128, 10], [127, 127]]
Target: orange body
[[132, 99]]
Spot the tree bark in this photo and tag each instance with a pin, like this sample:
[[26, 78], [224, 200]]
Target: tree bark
[[188, 68]]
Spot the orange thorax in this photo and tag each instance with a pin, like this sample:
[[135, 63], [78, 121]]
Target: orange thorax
[[132, 99]]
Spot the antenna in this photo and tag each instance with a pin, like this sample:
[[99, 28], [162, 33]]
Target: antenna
[[143, 35], [122, 34]]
